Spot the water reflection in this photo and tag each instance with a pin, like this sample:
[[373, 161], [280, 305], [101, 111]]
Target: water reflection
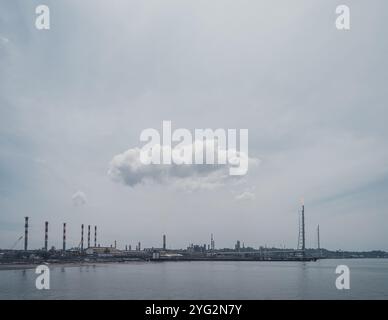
[[303, 278], [201, 280]]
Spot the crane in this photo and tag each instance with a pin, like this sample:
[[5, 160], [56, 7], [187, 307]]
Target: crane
[[16, 242]]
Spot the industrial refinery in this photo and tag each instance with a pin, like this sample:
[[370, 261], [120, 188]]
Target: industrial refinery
[[95, 252]]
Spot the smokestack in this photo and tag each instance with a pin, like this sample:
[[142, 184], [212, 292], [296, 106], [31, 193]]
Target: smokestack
[[26, 234], [64, 236], [303, 231], [164, 242], [82, 237], [319, 241], [139, 246], [115, 244], [95, 236], [88, 236], [46, 236]]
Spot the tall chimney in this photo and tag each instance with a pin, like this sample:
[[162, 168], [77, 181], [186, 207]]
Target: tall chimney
[[319, 240], [82, 237], [115, 244], [164, 242], [303, 232], [95, 236], [64, 236], [89, 236], [26, 234], [46, 236]]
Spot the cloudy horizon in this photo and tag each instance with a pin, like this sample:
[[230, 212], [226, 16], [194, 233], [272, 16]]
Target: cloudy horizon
[[74, 100]]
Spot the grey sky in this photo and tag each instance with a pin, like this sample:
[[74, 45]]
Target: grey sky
[[313, 98]]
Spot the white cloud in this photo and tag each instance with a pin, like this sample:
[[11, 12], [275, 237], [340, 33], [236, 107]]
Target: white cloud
[[129, 170], [4, 40], [79, 199], [245, 196]]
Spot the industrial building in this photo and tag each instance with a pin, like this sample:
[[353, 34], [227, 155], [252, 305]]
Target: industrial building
[[103, 251]]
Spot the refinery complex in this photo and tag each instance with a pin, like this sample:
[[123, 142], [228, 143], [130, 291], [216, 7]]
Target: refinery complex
[[89, 250]]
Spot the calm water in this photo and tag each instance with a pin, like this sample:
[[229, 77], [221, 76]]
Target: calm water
[[203, 280]]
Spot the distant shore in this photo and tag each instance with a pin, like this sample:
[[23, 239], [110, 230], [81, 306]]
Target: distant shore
[[17, 266], [26, 266]]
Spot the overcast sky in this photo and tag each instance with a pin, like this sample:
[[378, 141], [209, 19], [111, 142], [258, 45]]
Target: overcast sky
[[313, 98]]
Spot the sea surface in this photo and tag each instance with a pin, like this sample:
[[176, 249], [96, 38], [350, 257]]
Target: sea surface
[[202, 280]]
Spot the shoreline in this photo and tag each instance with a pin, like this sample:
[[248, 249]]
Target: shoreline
[[28, 266]]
